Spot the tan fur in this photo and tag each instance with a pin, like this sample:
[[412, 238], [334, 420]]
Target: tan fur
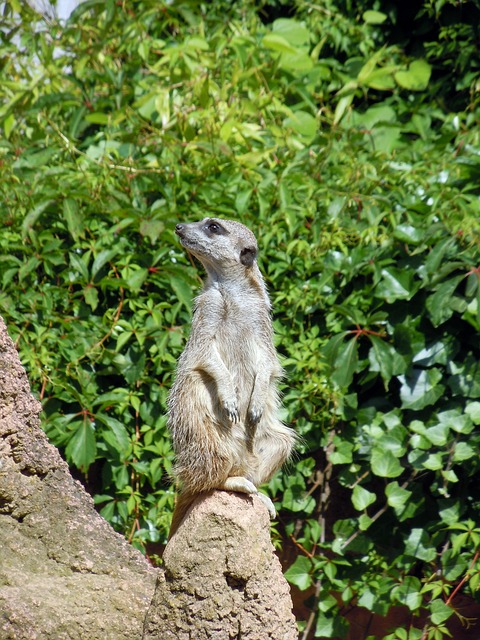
[[223, 406]]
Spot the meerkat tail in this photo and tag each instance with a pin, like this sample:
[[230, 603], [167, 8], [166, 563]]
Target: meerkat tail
[[184, 501]]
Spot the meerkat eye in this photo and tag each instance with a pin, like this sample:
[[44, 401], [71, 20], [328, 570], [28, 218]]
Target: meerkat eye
[[214, 228]]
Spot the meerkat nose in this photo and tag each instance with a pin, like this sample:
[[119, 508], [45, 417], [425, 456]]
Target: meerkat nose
[[179, 228]]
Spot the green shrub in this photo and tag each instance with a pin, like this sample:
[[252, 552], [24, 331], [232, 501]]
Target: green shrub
[[313, 126]]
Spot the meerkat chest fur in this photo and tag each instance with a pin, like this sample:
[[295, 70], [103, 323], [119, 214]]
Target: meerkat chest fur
[[238, 326]]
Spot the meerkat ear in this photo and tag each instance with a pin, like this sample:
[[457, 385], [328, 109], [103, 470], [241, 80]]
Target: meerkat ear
[[247, 256]]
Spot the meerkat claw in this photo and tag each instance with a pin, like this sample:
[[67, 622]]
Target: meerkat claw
[[232, 413], [269, 504], [254, 415]]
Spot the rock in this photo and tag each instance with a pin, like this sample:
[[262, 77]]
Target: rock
[[64, 572], [222, 579], [66, 575]]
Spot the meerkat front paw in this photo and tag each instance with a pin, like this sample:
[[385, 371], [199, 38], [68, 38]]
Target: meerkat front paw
[[231, 409], [254, 414]]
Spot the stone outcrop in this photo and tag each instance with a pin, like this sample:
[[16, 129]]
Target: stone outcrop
[[64, 572], [66, 575], [222, 579]]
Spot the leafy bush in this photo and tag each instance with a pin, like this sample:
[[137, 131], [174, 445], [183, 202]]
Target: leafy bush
[[326, 131]]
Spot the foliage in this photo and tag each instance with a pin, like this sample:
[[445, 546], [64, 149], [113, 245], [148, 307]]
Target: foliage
[[351, 146]]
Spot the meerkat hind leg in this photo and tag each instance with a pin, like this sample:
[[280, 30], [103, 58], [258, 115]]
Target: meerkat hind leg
[[242, 485]]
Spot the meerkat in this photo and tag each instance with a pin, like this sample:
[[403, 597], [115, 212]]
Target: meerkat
[[223, 406]]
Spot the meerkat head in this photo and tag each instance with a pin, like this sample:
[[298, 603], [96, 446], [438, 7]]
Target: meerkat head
[[220, 245]]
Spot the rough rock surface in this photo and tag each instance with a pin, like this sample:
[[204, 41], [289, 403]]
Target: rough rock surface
[[66, 575], [222, 579], [64, 572]]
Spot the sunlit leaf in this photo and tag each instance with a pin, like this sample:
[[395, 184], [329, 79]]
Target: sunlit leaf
[[385, 464], [300, 573], [417, 76], [374, 17], [82, 448]]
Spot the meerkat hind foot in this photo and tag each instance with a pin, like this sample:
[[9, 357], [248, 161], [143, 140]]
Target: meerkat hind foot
[[269, 504], [242, 485], [238, 483]]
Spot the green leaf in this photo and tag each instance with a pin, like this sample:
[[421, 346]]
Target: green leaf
[[299, 573], [465, 380], [397, 497], [298, 63], [31, 218], [8, 125], [438, 434], [439, 611], [381, 359], [332, 626], [420, 388], [242, 200], [132, 364], [72, 218], [456, 420], [450, 511], [438, 254], [435, 353], [362, 498], [152, 229], [364, 522], [374, 17], [417, 76], [381, 79], [342, 453], [409, 234], [396, 284], [433, 461], [384, 358], [439, 304], [119, 430], [453, 565], [135, 278], [101, 260], [342, 106], [385, 464], [463, 451], [296, 499], [408, 593], [345, 363], [473, 410], [97, 118], [394, 440], [302, 123], [293, 31], [277, 42], [183, 291], [419, 545], [82, 447], [90, 294]]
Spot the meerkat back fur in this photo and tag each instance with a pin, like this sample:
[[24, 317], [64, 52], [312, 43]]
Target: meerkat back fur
[[223, 406]]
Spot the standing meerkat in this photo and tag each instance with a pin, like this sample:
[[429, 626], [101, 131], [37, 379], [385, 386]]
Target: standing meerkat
[[223, 405]]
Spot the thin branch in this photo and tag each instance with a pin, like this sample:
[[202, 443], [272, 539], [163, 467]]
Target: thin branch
[[463, 580]]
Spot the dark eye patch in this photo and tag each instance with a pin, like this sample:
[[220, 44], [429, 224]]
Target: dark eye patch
[[214, 228]]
